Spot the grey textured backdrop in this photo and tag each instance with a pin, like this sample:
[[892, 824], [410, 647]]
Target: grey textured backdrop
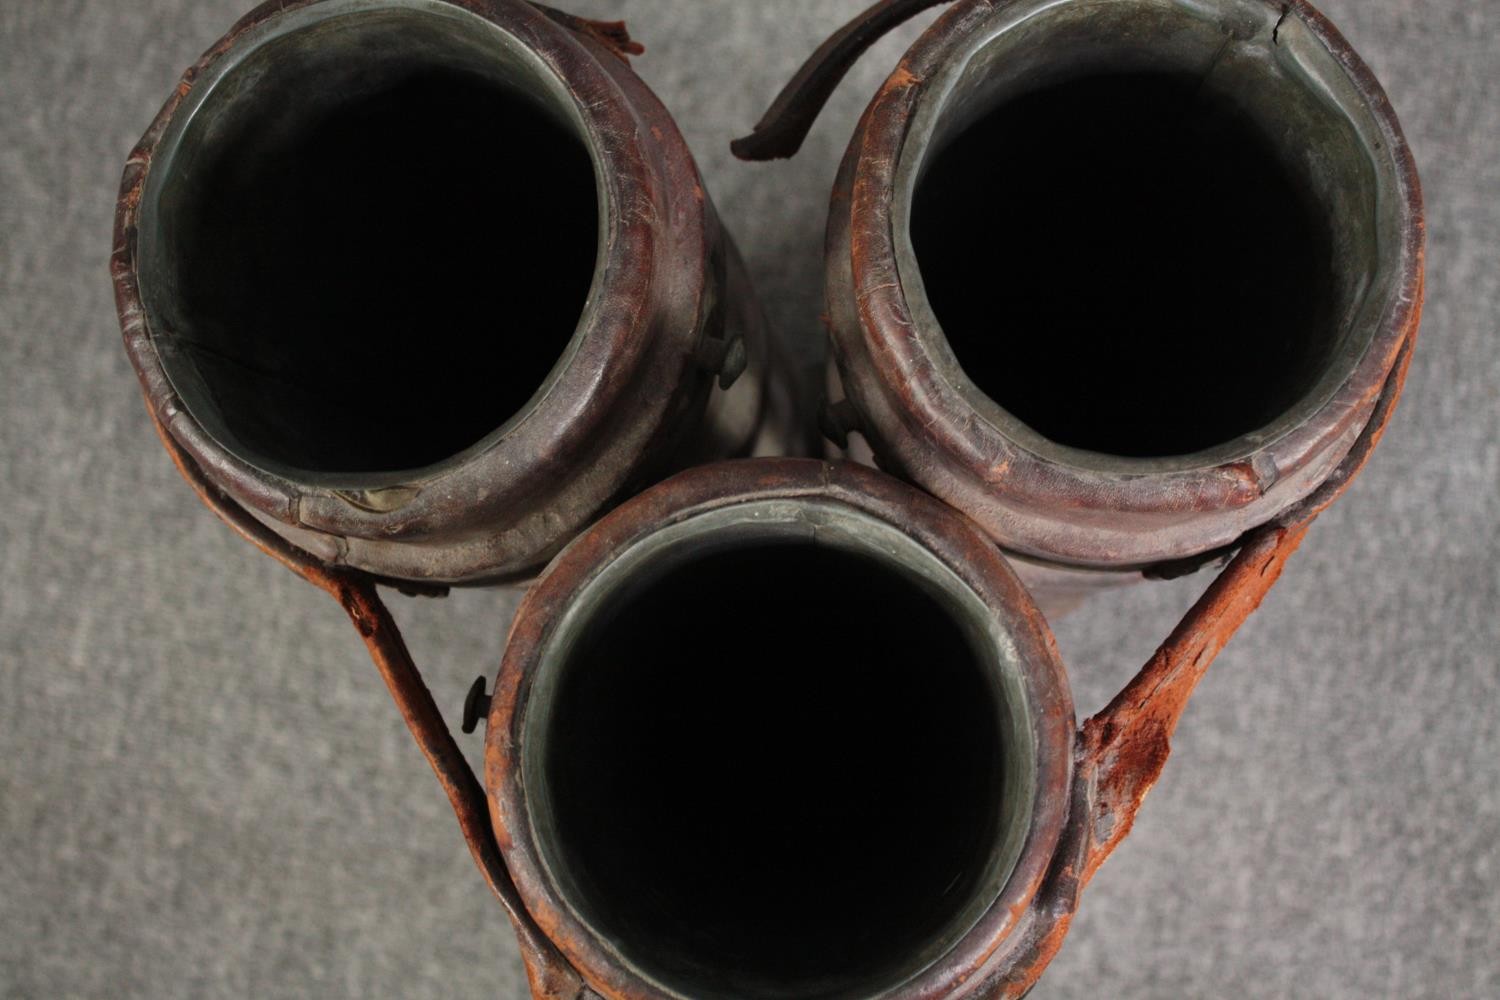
[[204, 790]]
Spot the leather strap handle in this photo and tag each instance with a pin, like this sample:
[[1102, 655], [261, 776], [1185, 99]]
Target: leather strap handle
[[613, 35], [781, 130], [1126, 745], [1122, 750], [551, 977]]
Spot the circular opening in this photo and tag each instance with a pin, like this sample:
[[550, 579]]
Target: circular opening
[[371, 242], [1125, 266], [773, 767], [1142, 230]]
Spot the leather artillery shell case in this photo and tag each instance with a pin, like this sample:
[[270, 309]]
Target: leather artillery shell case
[[1034, 321], [428, 285]]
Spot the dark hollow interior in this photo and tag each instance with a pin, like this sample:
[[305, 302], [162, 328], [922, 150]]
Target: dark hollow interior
[[775, 772], [1125, 264], [375, 282]]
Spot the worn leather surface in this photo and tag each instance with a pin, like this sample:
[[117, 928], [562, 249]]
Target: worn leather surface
[[204, 788]]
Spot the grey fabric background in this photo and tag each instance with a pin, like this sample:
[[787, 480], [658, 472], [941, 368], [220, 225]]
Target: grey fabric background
[[205, 791]]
